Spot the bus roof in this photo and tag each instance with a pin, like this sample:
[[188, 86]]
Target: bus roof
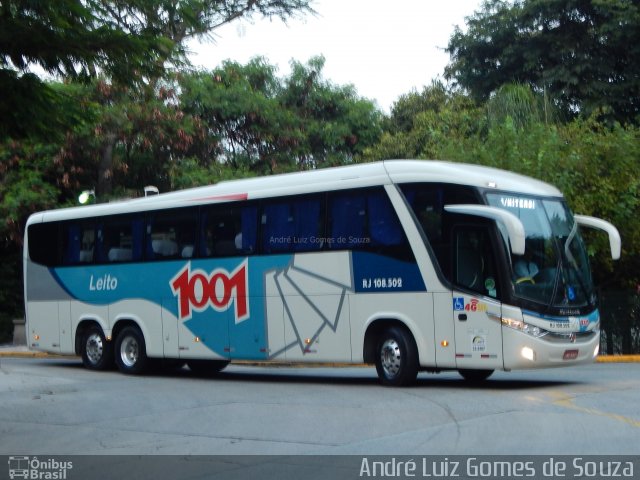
[[337, 178]]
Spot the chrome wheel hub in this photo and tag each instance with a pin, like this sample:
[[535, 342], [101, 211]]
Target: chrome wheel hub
[[129, 351], [94, 348], [390, 358]]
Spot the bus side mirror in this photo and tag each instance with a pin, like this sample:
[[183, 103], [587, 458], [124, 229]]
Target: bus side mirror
[[615, 243], [514, 226]]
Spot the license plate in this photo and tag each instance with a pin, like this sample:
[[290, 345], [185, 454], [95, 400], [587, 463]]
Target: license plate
[[570, 355]]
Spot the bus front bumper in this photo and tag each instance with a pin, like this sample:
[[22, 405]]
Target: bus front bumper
[[522, 350]]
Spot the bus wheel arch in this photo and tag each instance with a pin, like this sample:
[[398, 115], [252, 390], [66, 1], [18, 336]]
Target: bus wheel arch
[[93, 347], [130, 350], [391, 346]]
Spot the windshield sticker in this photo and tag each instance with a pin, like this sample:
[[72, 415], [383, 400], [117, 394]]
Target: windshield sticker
[[515, 202]]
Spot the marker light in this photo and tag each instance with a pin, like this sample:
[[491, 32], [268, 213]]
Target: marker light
[[596, 351], [444, 343]]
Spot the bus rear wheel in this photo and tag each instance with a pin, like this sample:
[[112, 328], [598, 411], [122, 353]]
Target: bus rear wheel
[[131, 351], [396, 357], [96, 352]]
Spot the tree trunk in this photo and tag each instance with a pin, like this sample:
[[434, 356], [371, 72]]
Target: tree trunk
[[105, 170]]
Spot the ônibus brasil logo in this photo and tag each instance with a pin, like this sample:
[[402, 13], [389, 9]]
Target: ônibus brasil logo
[[198, 290]]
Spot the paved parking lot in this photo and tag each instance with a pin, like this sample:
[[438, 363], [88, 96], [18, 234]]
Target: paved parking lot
[[54, 405]]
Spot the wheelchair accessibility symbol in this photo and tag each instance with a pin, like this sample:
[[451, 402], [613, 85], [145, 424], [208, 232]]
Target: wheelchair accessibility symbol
[[458, 304]]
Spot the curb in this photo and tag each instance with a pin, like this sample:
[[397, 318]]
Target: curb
[[618, 359], [31, 354]]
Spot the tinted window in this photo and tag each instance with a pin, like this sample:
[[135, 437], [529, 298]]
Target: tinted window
[[119, 238], [427, 200], [228, 230], [171, 234], [365, 220], [474, 261], [292, 224], [44, 243], [78, 242]]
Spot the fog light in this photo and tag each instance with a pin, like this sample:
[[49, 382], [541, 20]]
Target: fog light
[[528, 353]]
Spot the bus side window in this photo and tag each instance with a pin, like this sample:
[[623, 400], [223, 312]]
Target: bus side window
[[348, 221], [427, 200], [474, 261], [384, 226], [44, 243], [171, 234], [78, 243], [228, 230], [293, 224], [120, 239], [365, 220]]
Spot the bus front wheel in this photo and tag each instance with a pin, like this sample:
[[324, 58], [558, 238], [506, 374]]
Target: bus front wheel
[[96, 352], [396, 357], [131, 351]]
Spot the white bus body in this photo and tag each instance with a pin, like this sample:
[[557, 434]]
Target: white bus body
[[408, 265]]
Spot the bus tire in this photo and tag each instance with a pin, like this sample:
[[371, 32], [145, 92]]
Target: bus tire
[[396, 357], [207, 367], [131, 351], [475, 376], [96, 352]]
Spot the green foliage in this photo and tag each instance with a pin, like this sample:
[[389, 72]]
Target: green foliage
[[421, 123], [129, 42], [584, 54], [521, 105], [28, 182], [595, 165], [255, 120], [10, 288], [189, 172]]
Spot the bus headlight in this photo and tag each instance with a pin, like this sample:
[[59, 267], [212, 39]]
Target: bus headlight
[[532, 330]]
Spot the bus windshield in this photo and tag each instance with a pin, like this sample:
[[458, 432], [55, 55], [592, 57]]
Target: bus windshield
[[554, 270]]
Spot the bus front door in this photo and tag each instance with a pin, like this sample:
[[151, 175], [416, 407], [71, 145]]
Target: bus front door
[[476, 306]]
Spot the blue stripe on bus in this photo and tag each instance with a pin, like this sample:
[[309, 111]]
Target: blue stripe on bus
[[212, 319]]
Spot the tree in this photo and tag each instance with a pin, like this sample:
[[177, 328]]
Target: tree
[[259, 122], [421, 124], [66, 38], [59, 137], [126, 41], [583, 54]]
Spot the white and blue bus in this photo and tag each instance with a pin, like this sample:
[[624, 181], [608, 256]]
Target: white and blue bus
[[408, 265]]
